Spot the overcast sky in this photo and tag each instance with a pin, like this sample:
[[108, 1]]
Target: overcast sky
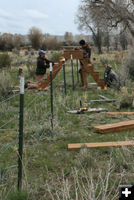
[[51, 16]]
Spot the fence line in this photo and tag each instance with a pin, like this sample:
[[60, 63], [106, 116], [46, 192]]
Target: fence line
[[9, 98], [14, 118], [33, 150], [9, 121], [8, 145]]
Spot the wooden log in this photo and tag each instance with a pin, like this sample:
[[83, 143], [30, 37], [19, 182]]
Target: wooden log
[[102, 100], [116, 127], [100, 144], [120, 113]]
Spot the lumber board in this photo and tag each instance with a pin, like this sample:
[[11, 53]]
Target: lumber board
[[100, 144], [115, 127], [120, 113], [76, 54], [56, 68], [102, 100]]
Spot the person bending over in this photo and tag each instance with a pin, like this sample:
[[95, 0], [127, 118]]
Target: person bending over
[[110, 77]]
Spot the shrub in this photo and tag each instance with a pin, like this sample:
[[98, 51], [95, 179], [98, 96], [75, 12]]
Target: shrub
[[31, 69], [15, 51], [5, 84], [55, 56], [125, 99], [104, 61], [5, 60]]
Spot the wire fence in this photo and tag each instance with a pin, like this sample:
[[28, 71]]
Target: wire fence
[[27, 109]]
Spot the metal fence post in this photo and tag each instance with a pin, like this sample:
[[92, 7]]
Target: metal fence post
[[77, 70], [64, 74], [20, 147], [51, 94], [72, 72]]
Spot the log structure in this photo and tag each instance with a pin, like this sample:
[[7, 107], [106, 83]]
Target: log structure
[[78, 54]]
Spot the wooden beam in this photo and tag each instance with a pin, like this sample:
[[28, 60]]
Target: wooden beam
[[77, 54], [102, 100], [120, 113], [100, 144], [116, 127]]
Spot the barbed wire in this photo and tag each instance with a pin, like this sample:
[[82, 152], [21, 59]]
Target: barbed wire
[[9, 98], [33, 150], [9, 121], [37, 97], [8, 146]]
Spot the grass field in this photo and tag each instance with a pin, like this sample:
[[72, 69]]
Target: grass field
[[50, 171]]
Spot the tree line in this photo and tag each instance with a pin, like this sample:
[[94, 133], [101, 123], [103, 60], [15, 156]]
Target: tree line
[[104, 18], [109, 22]]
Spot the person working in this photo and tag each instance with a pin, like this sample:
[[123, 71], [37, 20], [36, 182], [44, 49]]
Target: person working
[[42, 64], [110, 77], [87, 55]]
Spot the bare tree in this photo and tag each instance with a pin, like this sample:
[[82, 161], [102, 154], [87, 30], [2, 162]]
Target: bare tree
[[35, 36], [18, 40], [85, 22], [114, 13], [68, 36], [50, 42], [123, 40]]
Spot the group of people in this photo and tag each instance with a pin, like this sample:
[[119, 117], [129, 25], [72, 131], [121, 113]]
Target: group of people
[[43, 63]]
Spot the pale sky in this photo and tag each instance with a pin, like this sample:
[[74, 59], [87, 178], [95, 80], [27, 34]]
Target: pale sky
[[51, 16]]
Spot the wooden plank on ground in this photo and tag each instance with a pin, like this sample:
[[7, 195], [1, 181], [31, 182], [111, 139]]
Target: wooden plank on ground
[[102, 100], [120, 113], [116, 127], [100, 144]]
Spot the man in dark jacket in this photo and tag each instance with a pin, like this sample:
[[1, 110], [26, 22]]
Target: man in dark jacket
[[87, 55], [110, 77], [42, 65]]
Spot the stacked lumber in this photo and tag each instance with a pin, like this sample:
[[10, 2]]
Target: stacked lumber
[[115, 127]]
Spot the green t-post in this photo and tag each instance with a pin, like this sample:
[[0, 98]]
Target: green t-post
[[51, 94], [72, 72], [20, 147], [77, 66], [64, 74]]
